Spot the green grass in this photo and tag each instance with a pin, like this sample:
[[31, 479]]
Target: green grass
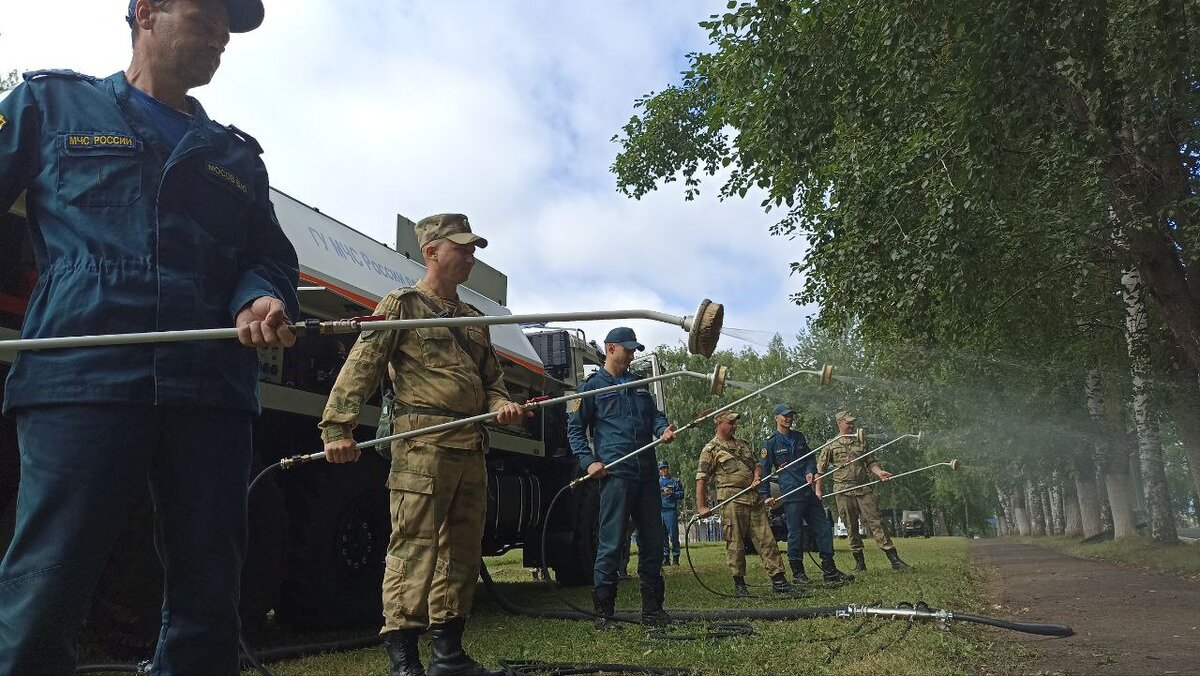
[[1182, 560], [943, 578]]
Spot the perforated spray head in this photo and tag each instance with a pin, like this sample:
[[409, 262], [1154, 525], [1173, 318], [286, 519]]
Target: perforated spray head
[[827, 374], [954, 464], [862, 435], [716, 381], [704, 328]]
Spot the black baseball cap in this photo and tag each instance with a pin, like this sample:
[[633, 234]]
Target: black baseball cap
[[244, 15], [625, 337]]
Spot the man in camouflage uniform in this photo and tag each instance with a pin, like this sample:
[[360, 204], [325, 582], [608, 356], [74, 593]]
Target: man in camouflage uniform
[[852, 472], [733, 466], [438, 482]]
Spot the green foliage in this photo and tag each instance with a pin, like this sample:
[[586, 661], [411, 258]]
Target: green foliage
[[970, 180], [9, 81]]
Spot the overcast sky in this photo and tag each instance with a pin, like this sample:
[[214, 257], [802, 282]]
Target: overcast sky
[[498, 109]]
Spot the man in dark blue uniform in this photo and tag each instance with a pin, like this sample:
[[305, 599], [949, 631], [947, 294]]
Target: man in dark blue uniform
[[619, 423], [785, 448], [672, 492], [145, 215]]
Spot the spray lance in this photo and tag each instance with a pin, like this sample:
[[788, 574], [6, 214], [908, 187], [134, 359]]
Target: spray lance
[[952, 464], [919, 436], [825, 374], [716, 386], [704, 328]]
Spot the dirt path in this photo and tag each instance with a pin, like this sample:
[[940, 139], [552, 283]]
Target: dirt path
[[1126, 621]]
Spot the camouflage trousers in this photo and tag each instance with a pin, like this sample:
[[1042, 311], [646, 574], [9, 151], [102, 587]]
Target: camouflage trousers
[[851, 507], [741, 520], [438, 504]]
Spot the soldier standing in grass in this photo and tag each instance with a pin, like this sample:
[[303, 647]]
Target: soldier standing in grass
[[438, 482], [733, 466], [858, 501]]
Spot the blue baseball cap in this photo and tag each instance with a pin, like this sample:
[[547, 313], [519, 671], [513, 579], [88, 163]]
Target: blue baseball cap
[[783, 409], [663, 463], [625, 337], [244, 15]]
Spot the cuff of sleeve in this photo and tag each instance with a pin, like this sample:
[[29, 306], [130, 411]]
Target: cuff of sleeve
[[336, 433], [587, 459]]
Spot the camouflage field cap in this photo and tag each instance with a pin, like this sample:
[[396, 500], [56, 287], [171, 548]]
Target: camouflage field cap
[[454, 227], [731, 416], [845, 415]]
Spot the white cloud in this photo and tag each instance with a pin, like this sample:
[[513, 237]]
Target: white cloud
[[500, 110]]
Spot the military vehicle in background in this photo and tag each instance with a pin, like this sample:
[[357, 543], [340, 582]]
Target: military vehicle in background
[[318, 532]]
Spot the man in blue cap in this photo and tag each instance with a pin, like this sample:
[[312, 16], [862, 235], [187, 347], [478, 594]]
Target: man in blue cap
[[672, 492], [145, 215], [785, 449], [601, 430]]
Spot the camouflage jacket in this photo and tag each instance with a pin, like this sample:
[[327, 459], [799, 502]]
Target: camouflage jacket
[[434, 379], [843, 451], [730, 465]]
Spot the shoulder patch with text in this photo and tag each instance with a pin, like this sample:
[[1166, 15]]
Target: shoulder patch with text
[[227, 177]]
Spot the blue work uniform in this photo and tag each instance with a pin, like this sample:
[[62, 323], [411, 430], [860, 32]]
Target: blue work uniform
[[132, 233], [670, 492], [802, 506], [619, 423]]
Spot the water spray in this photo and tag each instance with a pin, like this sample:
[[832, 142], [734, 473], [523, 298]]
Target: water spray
[[701, 418], [704, 328], [919, 436], [716, 386], [952, 464], [859, 435]]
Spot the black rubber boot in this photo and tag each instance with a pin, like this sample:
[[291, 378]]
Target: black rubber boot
[[798, 576], [830, 572], [401, 646], [779, 584], [675, 560], [740, 590], [860, 562], [604, 602], [448, 657], [666, 560], [652, 605], [897, 564]]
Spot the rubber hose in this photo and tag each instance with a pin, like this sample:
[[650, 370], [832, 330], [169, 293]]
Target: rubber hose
[[1025, 627], [686, 614]]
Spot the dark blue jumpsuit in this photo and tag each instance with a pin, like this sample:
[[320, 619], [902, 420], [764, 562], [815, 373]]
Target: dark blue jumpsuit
[[801, 506], [619, 423], [132, 236], [670, 514]]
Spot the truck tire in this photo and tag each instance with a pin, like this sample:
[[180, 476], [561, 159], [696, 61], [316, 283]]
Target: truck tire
[[126, 609], [577, 571], [10, 476], [339, 527]]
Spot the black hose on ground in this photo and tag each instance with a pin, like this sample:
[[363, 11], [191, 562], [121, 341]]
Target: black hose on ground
[[1038, 628]]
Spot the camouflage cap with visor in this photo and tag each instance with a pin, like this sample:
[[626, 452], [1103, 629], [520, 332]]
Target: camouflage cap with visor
[[730, 416], [844, 415], [454, 227]]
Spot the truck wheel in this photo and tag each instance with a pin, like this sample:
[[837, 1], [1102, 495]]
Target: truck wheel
[[126, 610], [339, 529], [577, 571]]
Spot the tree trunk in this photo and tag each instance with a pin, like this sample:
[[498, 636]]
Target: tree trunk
[[1072, 513], [1037, 515], [1056, 502], [1158, 264], [1150, 456], [1004, 524], [1106, 521], [1020, 513], [1089, 496], [1185, 411], [1104, 405], [1047, 506]]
